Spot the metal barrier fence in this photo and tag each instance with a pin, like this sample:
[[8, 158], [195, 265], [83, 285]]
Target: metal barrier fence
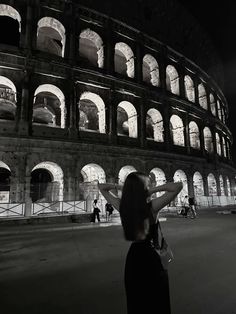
[[12, 210]]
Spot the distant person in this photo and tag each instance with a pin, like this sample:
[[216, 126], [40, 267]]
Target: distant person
[[109, 210], [186, 206], [146, 280], [192, 207], [96, 211]]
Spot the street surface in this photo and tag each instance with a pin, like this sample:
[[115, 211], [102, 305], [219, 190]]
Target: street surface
[[72, 268]]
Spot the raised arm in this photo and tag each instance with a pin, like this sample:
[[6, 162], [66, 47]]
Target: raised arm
[[171, 190], [110, 192]]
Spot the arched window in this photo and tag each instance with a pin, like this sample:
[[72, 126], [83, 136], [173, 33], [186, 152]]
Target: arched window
[[124, 59], [10, 21], [154, 125], [202, 96], [7, 99], [127, 120], [180, 176], [219, 110], [228, 186], [157, 177], [212, 189], [124, 172], [194, 135], [47, 182], [91, 48], [213, 104], [208, 144], [51, 36], [92, 113], [5, 178], [198, 184], [218, 144], [49, 106], [221, 181], [224, 147], [189, 88], [177, 130], [172, 80], [150, 70]]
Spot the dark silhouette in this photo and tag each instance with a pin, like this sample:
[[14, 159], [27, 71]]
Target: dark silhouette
[[146, 280]]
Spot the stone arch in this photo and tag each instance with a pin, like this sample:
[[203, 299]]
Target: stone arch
[[221, 182], [124, 172], [212, 187], [218, 144], [219, 109], [92, 113], [93, 172], [7, 99], [5, 182], [172, 80], [150, 70], [91, 47], [157, 176], [208, 144], [49, 107], [228, 187], [180, 176], [51, 36], [154, 125], [56, 188], [10, 20], [212, 104], [198, 185], [127, 119], [177, 130], [194, 135], [189, 88], [124, 59], [202, 97], [224, 147]]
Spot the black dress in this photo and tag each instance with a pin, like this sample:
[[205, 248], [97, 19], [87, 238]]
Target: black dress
[[146, 282]]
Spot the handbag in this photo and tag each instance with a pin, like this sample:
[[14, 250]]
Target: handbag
[[161, 246]]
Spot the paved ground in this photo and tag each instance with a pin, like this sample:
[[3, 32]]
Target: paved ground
[[70, 268]]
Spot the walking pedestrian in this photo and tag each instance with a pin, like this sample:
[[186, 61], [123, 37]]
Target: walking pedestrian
[[146, 281], [96, 211]]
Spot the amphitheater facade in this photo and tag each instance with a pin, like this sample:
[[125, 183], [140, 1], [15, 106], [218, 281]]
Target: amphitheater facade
[[85, 97]]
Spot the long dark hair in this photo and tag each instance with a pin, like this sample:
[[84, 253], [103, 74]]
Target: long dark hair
[[134, 208]]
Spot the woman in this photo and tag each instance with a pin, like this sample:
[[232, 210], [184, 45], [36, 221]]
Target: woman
[[146, 281]]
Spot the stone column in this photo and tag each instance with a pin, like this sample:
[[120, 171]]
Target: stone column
[[70, 19], [109, 49], [28, 200], [138, 60], [181, 72], [73, 110], [112, 110], [142, 122], [186, 133], [162, 68], [166, 122]]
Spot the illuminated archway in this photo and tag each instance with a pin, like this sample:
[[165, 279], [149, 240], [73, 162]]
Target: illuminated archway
[[93, 172], [52, 188], [208, 144], [221, 181], [194, 135], [212, 188], [92, 113], [124, 59], [224, 147], [180, 176], [127, 119], [228, 186], [124, 172], [198, 184], [49, 106], [157, 177], [154, 125], [189, 88], [51, 36], [219, 110], [5, 177], [91, 47], [177, 130], [150, 70], [10, 25], [218, 144], [172, 80], [202, 98], [213, 104], [7, 99]]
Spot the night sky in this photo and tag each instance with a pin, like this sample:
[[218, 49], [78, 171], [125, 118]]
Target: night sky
[[219, 21]]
